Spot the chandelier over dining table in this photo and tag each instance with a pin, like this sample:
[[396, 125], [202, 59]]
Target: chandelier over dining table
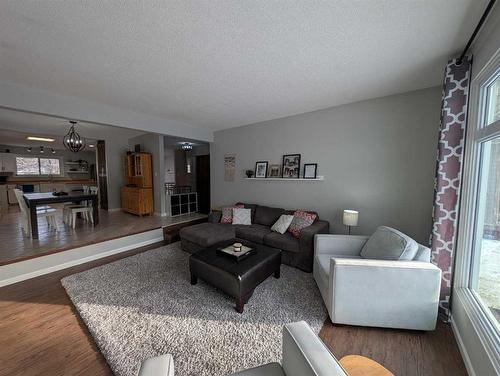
[[73, 141]]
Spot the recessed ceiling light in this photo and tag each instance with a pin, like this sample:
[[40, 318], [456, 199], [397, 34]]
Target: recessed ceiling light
[[91, 146], [46, 139]]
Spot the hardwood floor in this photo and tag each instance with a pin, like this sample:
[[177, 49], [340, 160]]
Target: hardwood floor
[[17, 247], [41, 334]]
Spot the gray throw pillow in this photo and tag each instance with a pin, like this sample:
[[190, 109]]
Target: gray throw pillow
[[282, 224], [242, 216], [389, 244]]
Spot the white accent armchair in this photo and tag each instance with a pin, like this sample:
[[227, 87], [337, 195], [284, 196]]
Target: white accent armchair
[[304, 354], [370, 292], [162, 365]]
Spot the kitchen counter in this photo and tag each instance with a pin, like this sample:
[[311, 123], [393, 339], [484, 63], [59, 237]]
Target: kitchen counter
[[54, 181]]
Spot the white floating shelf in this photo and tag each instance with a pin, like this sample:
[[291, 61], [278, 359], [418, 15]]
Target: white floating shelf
[[319, 178]]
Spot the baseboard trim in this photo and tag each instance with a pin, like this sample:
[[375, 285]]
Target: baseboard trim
[[463, 350], [23, 270], [115, 210]]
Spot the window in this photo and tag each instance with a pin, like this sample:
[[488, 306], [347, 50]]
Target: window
[[49, 166], [493, 102], [38, 166], [484, 271]]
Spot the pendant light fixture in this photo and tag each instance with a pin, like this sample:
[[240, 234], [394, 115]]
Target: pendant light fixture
[[186, 146], [73, 141]]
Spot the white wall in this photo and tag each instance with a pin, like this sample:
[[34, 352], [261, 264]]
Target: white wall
[[169, 165], [30, 99], [377, 156]]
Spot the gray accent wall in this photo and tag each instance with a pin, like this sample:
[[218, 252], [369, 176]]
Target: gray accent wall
[[376, 156]]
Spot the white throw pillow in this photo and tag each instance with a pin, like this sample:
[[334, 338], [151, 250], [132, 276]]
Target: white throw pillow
[[282, 224], [242, 216]]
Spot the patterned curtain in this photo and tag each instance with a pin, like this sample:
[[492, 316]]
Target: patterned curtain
[[448, 174]]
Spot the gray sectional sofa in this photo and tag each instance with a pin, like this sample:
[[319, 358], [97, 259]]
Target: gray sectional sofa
[[298, 253]]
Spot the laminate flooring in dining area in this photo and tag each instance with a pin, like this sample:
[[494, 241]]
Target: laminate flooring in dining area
[[16, 246]]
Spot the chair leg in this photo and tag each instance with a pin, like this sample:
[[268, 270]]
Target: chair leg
[[53, 220], [91, 216], [73, 219]]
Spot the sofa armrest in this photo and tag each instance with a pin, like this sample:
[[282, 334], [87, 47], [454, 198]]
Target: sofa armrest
[[162, 365], [304, 354], [214, 216], [395, 294], [341, 245], [306, 238]]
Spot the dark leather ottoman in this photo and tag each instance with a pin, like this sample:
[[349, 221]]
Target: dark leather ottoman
[[236, 278]]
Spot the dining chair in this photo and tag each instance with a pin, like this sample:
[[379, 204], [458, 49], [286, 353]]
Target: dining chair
[[71, 211], [47, 212]]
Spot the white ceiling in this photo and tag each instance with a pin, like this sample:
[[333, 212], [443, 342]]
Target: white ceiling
[[15, 126], [221, 64]]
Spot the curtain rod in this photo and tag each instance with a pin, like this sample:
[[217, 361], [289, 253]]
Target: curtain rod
[[476, 30]]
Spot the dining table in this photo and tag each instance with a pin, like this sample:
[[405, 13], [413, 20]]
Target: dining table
[[46, 198]]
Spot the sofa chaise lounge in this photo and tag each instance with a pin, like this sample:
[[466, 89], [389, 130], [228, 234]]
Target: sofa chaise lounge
[[298, 253]]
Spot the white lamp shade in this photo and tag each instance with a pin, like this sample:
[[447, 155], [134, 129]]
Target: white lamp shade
[[350, 217]]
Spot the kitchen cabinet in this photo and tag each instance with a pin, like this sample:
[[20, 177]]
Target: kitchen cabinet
[[137, 200], [7, 162], [137, 196]]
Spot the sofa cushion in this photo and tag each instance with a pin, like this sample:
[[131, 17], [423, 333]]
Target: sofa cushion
[[270, 369], [255, 233], [387, 243], [282, 224], [242, 216], [227, 213], [206, 234], [252, 207], [301, 220], [285, 242], [265, 215], [292, 212]]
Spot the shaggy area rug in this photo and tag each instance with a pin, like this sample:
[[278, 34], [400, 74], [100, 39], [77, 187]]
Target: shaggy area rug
[[144, 305]]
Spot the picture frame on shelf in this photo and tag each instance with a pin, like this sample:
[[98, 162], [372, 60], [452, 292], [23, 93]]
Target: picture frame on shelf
[[310, 170], [275, 171], [261, 169], [291, 166]]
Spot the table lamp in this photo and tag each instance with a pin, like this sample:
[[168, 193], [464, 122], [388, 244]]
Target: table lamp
[[350, 219]]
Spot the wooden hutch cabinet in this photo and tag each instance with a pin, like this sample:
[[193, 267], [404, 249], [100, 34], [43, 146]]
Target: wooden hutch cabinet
[[137, 195]]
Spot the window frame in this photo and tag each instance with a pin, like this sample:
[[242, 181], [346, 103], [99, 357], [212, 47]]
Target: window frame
[[60, 159], [466, 259]]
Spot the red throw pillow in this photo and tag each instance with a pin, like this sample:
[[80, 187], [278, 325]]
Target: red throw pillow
[[227, 213], [301, 219]]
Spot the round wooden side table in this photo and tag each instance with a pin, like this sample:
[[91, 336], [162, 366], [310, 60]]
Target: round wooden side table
[[357, 365]]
